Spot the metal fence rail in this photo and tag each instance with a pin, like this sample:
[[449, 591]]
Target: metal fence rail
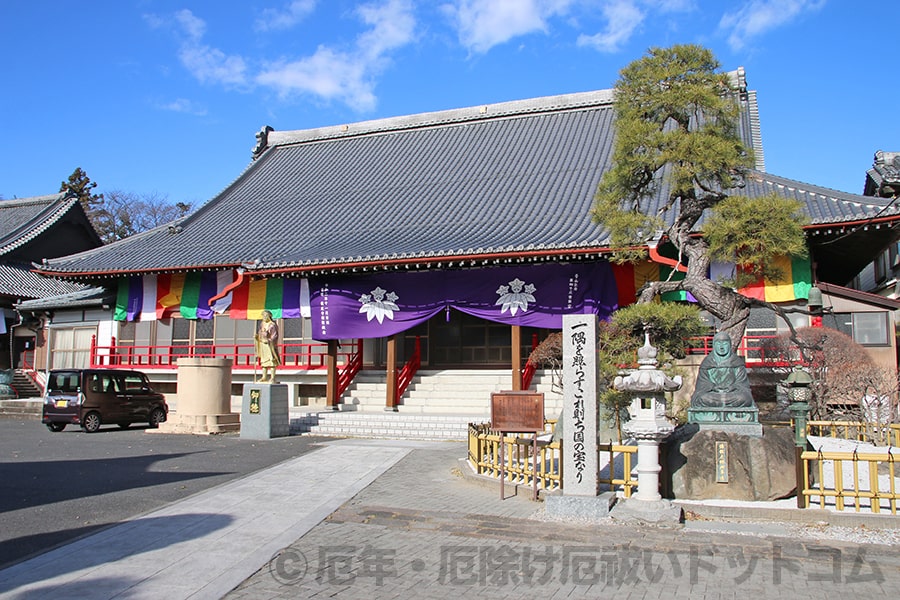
[[484, 456]]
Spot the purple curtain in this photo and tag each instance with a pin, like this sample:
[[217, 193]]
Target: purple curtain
[[383, 304]]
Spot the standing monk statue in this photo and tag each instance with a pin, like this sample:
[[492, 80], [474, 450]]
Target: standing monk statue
[[266, 339], [722, 380]]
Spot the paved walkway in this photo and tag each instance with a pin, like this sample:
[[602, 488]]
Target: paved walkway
[[388, 520], [206, 545]]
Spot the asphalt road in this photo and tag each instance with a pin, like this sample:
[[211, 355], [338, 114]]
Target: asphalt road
[[57, 487]]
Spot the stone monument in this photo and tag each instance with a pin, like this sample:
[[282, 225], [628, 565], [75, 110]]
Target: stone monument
[[580, 475], [264, 411], [722, 399], [723, 452]]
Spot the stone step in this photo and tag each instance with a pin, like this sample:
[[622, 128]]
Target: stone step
[[25, 386], [455, 392], [16, 409], [384, 425]]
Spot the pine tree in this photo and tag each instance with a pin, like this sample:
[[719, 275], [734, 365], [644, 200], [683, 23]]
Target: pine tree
[[82, 187], [677, 133]]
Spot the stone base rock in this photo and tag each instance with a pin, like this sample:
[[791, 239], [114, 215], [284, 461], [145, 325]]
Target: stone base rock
[[580, 507], [641, 512], [199, 424], [758, 468]]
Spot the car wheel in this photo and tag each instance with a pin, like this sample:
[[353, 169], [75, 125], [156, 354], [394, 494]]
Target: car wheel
[[57, 427], [124, 425], [157, 416], [91, 422]]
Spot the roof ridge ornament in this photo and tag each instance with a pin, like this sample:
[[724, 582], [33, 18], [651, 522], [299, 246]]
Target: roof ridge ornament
[[262, 140]]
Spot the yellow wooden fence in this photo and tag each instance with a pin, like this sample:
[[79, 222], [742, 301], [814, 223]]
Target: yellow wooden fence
[[855, 482], [864, 480], [878, 433], [484, 456]]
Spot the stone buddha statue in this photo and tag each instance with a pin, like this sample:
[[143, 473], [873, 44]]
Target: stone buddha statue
[[722, 381]]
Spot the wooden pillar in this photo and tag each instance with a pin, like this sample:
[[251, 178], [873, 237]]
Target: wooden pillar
[[516, 358], [390, 402], [331, 378]]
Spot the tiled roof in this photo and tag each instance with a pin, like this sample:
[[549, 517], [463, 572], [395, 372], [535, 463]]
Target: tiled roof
[[470, 184], [823, 205], [23, 219], [18, 281], [88, 296], [883, 179]]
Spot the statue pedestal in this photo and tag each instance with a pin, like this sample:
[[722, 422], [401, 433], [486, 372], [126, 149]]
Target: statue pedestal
[[204, 398], [264, 411], [742, 420]]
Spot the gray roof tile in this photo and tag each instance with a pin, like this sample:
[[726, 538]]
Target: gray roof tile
[[23, 219], [500, 179], [19, 281], [86, 296]]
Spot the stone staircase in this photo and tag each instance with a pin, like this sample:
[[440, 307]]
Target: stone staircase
[[438, 405], [25, 386]]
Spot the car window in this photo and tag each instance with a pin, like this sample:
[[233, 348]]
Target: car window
[[109, 383], [63, 382], [133, 383]]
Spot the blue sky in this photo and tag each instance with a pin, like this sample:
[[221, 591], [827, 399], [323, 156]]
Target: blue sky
[[164, 97]]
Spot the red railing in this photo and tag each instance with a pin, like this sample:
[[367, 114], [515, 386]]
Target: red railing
[[351, 367], [27, 363], [757, 350], [409, 370], [528, 374], [530, 367], [294, 356]]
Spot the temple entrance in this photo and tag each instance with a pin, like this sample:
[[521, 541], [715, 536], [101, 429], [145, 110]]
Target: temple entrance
[[464, 341]]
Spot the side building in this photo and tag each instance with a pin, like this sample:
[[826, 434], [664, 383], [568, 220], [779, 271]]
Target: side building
[[32, 229]]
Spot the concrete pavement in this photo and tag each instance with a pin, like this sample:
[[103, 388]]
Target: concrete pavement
[[388, 519], [204, 546]]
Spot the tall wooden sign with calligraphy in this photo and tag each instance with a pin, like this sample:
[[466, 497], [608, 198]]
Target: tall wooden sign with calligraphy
[[580, 375]]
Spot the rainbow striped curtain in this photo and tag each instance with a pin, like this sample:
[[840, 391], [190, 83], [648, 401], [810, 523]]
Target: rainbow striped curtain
[[150, 297], [631, 277], [794, 284], [284, 298]]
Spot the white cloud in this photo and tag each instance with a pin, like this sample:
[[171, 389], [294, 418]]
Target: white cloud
[[205, 63], [327, 74], [211, 65], [482, 25], [347, 76], [757, 17], [182, 105], [194, 27], [393, 26], [667, 6], [273, 19], [622, 17]]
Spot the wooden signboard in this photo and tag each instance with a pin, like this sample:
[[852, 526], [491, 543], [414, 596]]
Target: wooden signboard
[[518, 412]]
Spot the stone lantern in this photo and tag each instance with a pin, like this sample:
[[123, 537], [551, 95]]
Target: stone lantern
[[648, 424], [799, 392]]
